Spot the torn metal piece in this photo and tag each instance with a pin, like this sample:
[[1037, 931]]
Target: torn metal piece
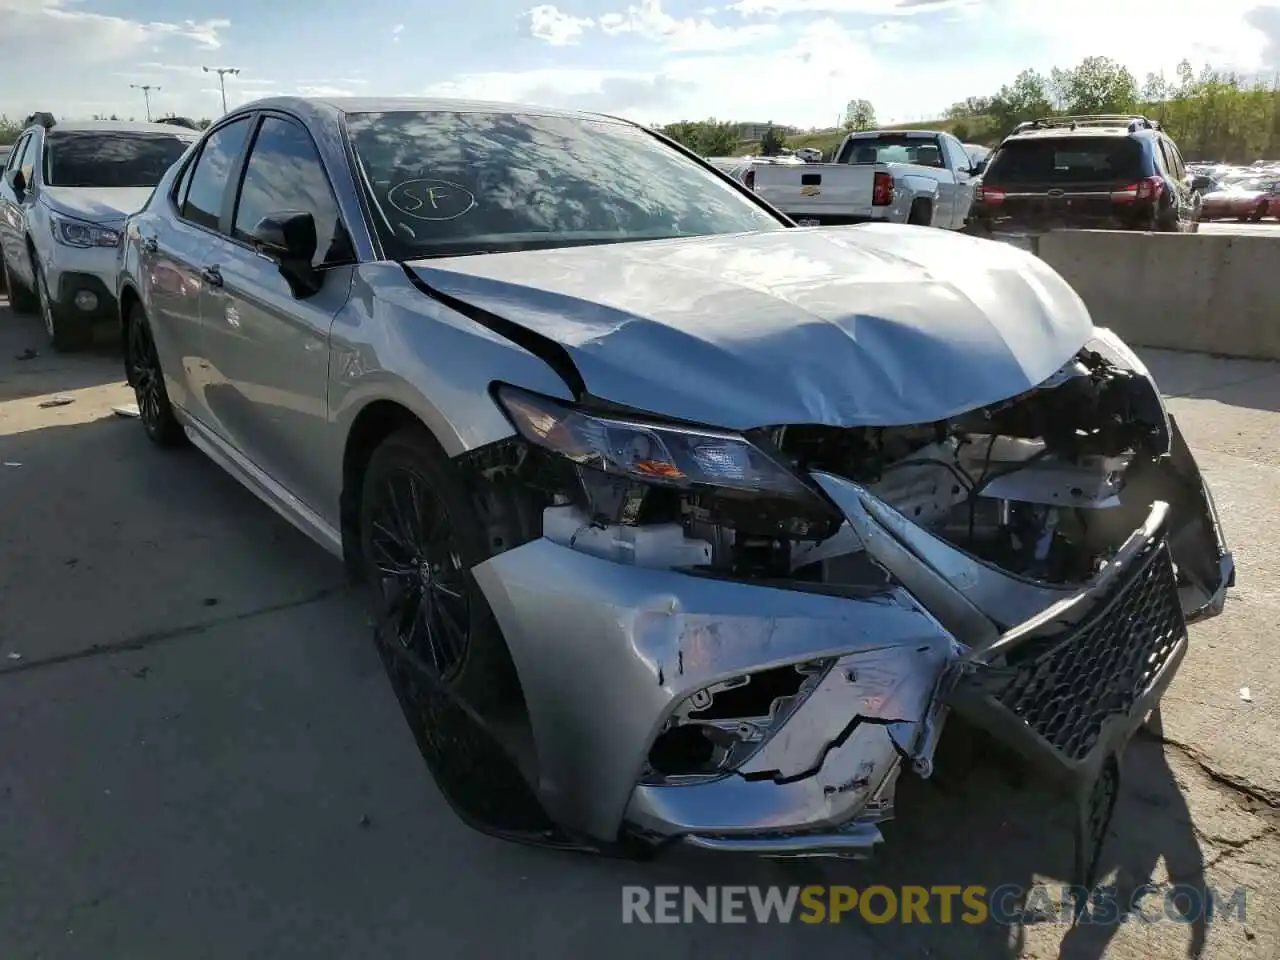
[[57, 402]]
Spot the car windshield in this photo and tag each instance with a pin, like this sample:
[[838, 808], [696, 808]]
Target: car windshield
[[82, 159], [1067, 160], [451, 183], [892, 148]]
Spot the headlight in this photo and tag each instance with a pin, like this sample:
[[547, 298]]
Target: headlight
[[657, 453], [77, 233]]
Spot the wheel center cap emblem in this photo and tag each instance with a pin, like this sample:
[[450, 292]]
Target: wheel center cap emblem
[[424, 572]]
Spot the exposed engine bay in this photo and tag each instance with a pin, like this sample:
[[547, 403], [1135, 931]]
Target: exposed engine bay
[[1025, 484]]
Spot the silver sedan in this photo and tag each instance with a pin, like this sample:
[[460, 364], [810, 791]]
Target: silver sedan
[[678, 523]]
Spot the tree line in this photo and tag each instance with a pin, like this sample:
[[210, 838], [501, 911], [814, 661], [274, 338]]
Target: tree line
[[1211, 115]]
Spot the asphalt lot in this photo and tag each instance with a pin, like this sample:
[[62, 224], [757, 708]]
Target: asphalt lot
[[200, 756]]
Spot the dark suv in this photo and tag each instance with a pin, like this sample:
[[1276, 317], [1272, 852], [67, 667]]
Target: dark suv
[[1105, 172]]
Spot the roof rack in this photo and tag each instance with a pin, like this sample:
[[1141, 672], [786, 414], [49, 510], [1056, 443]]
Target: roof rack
[[1133, 121], [41, 118]]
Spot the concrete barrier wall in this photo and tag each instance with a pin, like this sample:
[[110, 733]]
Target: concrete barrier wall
[[1212, 293]]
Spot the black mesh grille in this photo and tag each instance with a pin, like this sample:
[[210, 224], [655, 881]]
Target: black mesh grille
[[1065, 689]]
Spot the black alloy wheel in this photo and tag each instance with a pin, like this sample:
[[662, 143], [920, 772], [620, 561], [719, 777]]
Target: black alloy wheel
[[439, 642], [147, 380], [419, 572]]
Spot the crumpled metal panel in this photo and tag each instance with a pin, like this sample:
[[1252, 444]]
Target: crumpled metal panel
[[606, 651], [878, 325]]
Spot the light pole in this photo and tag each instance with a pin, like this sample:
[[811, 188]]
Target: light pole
[[146, 89], [222, 80]]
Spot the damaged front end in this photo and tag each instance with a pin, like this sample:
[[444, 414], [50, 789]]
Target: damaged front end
[[738, 641]]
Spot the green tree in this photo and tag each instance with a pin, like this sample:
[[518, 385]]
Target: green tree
[[1099, 85], [1025, 99], [772, 142], [961, 131], [707, 138], [859, 115], [10, 130]]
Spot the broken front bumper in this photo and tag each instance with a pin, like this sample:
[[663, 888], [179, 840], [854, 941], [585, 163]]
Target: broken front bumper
[[608, 653]]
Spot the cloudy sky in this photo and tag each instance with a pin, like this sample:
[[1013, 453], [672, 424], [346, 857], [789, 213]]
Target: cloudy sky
[[787, 61]]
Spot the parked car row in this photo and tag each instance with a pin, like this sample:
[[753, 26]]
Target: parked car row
[[1240, 193], [679, 523], [64, 196]]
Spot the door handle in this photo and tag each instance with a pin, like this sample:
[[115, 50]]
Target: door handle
[[212, 275]]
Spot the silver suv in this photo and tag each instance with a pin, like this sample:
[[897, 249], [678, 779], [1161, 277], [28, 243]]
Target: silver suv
[[66, 191]]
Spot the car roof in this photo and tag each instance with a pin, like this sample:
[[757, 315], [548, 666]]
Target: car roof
[[1058, 133], [317, 107], [116, 126]]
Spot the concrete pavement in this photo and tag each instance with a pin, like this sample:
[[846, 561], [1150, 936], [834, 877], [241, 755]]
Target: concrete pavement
[[200, 756]]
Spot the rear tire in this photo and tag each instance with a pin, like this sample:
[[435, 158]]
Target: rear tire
[[142, 362], [921, 213]]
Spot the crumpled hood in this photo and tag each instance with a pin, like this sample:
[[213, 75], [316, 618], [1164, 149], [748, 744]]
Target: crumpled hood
[[96, 204], [848, 326]]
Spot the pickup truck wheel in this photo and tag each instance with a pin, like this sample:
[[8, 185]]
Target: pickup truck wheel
[[921, 213]]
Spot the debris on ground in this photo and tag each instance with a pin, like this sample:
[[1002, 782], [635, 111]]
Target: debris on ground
[[15, 656], [27, 354], [12, 463], [1245, 695], [57, 401], [126, 410]]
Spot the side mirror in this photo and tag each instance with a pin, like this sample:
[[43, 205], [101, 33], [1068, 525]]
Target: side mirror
[[18, 181], [289, 238]]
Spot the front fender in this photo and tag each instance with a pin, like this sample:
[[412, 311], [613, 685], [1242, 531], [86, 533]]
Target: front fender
[[392, 342]]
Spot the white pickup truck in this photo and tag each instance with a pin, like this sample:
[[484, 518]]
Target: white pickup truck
[[900, 176]]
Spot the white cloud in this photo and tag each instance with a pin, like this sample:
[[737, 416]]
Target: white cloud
[[806, 83], [899, 8], [323, 90], [1226, 40], [647, 19], [893, 31], [548, 24]]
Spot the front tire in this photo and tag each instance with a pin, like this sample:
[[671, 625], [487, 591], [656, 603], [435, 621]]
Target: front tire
[[67, 332], [438, 639], [21, 299], [147, 379]]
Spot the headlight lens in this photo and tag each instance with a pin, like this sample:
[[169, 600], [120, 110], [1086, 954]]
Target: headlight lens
[[77, 233], [664, 454]]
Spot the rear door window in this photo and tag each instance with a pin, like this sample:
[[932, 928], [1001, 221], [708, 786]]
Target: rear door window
[[1067, 161]]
